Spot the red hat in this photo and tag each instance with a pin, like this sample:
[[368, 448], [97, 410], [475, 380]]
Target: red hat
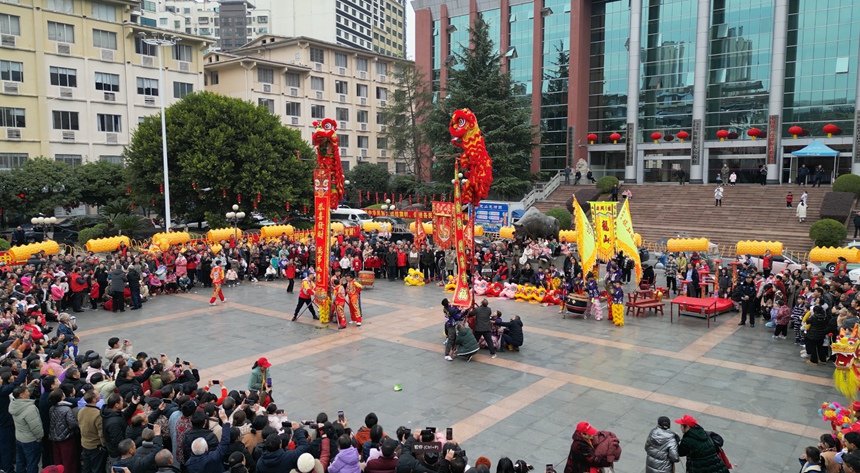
[[53, 469], [687, 420], [585, 428], [855, 406], [263, 363]]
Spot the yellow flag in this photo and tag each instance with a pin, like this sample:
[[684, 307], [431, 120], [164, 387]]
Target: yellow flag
[[624, 239], [584, 238]]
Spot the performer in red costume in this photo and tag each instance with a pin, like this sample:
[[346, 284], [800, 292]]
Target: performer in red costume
[[339, 304], [353, 292], [217, 275]]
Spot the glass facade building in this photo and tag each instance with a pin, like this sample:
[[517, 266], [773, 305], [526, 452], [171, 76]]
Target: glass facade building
[[694, 68]]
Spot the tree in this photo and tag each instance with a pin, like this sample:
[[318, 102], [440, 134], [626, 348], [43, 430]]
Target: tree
[[479, 84], [219, 148], [100, 182], [42, 184], [367, 177], [411, 103]]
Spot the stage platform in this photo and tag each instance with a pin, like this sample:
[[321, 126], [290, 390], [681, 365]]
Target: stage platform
[[706, 308]]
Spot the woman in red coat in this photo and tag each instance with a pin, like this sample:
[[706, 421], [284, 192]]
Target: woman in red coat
[[582, 458]]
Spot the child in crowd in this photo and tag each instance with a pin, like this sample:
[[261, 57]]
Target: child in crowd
[[796, 317], [783, 315], [232, 277]]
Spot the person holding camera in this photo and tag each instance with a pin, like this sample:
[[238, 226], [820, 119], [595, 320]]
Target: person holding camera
[[202, 460], [411, 462], [276, 460]]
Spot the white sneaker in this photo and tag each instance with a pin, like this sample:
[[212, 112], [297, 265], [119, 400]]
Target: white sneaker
[[804, 355], [773, 336], [803, 351], [213, 303], [448, 358], [224, 301], [494, 356], [358, 324], [351, 322], [782, 337]]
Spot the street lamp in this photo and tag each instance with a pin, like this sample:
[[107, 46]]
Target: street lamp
[[162, 39], [387, 207], [47, 224], [235, 217]]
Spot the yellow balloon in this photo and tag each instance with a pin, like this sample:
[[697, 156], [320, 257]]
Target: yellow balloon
[[223, 234], [479, 230], [757, 248], [275, 231], [687, 244], [103, 245], [336, 227]]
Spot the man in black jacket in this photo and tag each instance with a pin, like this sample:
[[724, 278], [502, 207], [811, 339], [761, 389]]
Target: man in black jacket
[[275, 459], [139, 463], [127, 382], [427, 263], [133, 277], [483, 325], [513, 336], [745, 295], [199, 430], [391, 262], [115, 416]]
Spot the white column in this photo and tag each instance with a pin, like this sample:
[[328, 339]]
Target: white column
[[633, 171], [777, 92], [700, 89]]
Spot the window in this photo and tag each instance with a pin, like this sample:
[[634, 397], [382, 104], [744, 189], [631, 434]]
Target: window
[[11, 70], [266, 76], [147, 86], [73, 160], [112, 159], [380, 118], [10, 24], [262, 19], [293, 80], [61, 32], [342, 114], [317, 83], [65, 120], [294, 109], [107, 82], [268, 103], [140, 47], [340, 60], [317, 55], [341, 87], [11, 160], [64, 77], [400, 168], [364, 142], [344, 140], [383, 165], [149, 5], [382, 93], [344, 165], [162, 21], [12, 117], [318, 111], [181, 89], [109, 123], [104, 12], [213, 78], [203, 20], [104, 39], [182, 52], [65, 6], [381, 142], [382, 67], [361, 116]]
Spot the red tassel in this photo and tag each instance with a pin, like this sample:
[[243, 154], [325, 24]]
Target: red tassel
[[127, 190], [223, 192], [288, 206], [377, 197], [239, 198]]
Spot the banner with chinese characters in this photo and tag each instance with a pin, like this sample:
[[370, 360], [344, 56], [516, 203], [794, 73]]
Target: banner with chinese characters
[[322, 196], [603, 216], [624, 239], [462, 291], [443, 224], [420, 235], [585, 241], [422, 214]]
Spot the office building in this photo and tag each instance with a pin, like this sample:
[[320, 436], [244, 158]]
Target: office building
[[691, 67], [302, 80], [77, 78]]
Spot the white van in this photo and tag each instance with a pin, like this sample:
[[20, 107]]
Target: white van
[[345, 214]]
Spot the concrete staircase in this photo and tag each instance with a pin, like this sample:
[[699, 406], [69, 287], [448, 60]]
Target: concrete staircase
[[749, 212]]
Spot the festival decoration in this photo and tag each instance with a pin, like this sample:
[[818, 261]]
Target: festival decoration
[[494, 289], [23, 252], [477, 231], [603, 215], [414, 278], [443, 224], [753, 133], [173, 238], [830, 129], [508, 292], [568, 236], [794, 131], [830, 254], [586, 242], [846, 376], [474, 163], [479, 286], [758, 248], [104, 245], [451, 284], [683, 135], [218, 234], [674, 245], [520, 293], [838, 416], [722, 135], [506, 233], [637, 238], [625, 240], [420, 232], [591, 138], [615, 137], [668, 138], [275, 231], [426, 227], [656, 137]]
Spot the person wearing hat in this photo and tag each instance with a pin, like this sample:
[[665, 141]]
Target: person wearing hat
[[661, 448], [308, 464], [701, 452], [217, 277], [259, 375], [744, 294], [582, 458]]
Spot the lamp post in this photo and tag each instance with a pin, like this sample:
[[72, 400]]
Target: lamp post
[[47, 225], [387, 207], [162, 39], [234, 218]]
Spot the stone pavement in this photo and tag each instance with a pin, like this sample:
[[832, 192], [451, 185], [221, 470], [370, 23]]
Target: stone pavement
[[738, 381]]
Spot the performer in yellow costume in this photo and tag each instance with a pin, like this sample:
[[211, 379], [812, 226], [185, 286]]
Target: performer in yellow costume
[[353, 292], [617, 309]]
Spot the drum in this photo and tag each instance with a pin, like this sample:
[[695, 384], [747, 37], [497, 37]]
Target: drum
[[576, 303], [366, 278]]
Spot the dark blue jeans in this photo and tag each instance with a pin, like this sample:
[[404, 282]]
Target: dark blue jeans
[[135, 298], [28, 455], [7, 449], [94, 460]]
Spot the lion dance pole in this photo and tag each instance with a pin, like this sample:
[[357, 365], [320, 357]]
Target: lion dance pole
[[328, 192]]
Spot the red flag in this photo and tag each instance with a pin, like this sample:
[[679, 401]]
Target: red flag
[[420, 236]]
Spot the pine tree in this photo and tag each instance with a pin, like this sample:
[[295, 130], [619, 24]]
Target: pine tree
[[412, 101], [504, 117]]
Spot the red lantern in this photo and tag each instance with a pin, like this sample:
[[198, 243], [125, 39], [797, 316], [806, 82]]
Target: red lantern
[[838, 131], [377, 197], [615, 137], [255, 205], [359, 198], [656, 136], [733, 135], [127, 190], [410, 200], [288, 206], [591, 138], [304, 209], [400, 200], [722, 135], [258, 196], [668, 138], [223, 192], [753, 133], [830, 129], [805, 132], [239, 198], [161, 188], [194, 185], [368, 195], [153, 202], [683, 135], [794, 131]]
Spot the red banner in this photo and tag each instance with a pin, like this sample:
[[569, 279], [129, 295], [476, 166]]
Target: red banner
[[322, 196], [443, 224], [420, 235], [414, 214], [462, 292]]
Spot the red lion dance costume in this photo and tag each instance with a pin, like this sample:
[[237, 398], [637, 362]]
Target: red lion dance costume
[[475, 163], [328, 156]]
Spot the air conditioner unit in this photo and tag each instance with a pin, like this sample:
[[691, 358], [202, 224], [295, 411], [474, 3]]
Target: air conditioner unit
[[184, 66], [344, 151], [111, 138], [383, 103], [341, 125], [107, 55], [149, 100], [362, 101], [362, 75], [294, 120], [363, 152], [342, 98], [110, 97], [13, 133], [10, 88], [7, 40], [294, 91], [319, 95], [383, 78], [318, 67], [147, 61], [383, 153], [66, 92], [341, 71], [267, 88], [68, 136], [362, 126], [383, 128]]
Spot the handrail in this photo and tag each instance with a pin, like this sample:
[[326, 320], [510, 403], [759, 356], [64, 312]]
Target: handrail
[[541, 191]]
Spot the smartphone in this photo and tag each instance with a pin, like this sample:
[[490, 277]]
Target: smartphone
[[117, 468], [178, 363], [340, 416], [279, 412], [216, 381], [431, 429], [151, 426], [449, 434], [186, 363], [269, 382], [549, 468]]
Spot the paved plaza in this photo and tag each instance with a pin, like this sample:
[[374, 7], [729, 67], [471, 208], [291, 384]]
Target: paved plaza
[[738, 381]]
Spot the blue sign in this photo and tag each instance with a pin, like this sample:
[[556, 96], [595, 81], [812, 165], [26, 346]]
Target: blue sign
[[491, 216]]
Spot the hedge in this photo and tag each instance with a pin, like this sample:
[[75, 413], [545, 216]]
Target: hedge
[[606, 183], [847, 183], [4, 244], [88, 234], [828, 232], [563, 216], [837, 205]]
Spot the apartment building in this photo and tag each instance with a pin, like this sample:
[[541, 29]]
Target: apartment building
[[77, 78], [372, 25], [302, 80]]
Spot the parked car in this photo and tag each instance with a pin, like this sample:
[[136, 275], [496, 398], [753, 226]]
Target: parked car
[[830, 267], [854, 276], [782, 262]]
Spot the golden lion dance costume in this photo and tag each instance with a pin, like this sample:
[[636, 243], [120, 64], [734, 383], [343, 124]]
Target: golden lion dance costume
[[617, 306], [846, 376], [353, 292], [414, 278]]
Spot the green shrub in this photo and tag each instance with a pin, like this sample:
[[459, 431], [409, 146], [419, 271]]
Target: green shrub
[[828, 232], [847, 183], [605, 183], [563, 216], [303, 225], [91, 233], [4, 244], [837, 205]]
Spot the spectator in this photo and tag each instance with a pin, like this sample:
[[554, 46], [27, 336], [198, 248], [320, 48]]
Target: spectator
[[277, 460], [202, 459], [115, 417], [28, 430], [582, 458], [149, 447], [702, 455], [61, 432], [661, 448], [139, 463], [346, 460], [387, 462]]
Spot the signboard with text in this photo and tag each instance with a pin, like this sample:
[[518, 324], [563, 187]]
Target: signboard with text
[[492, 216]]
